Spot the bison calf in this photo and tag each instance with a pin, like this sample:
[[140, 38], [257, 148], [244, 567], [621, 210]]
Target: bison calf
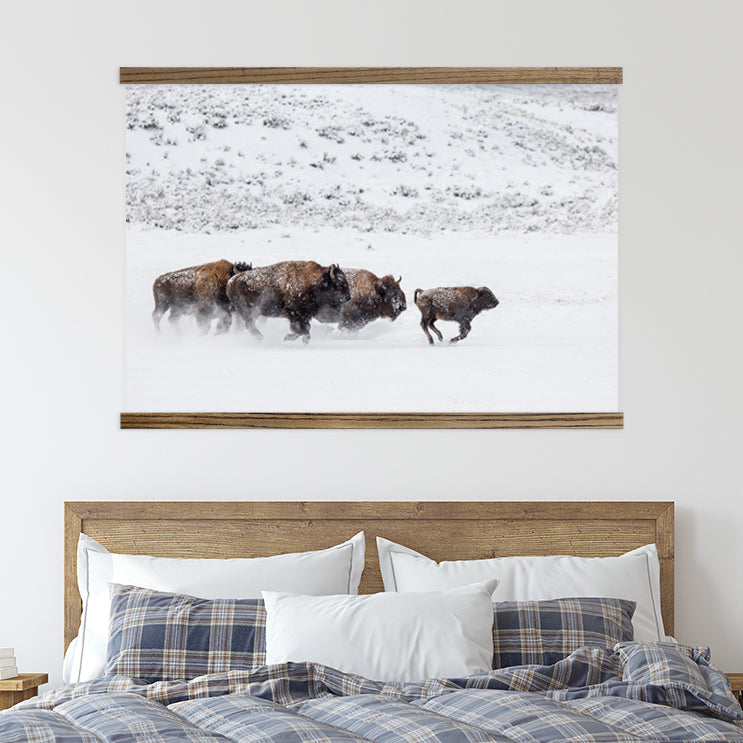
[[297, 290], [457, 303], [199, 290], [371, 298]]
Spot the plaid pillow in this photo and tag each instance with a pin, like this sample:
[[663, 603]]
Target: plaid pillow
[[164, 636], [544, 632]]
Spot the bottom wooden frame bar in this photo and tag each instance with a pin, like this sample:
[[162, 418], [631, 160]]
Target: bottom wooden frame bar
[[372, 420]]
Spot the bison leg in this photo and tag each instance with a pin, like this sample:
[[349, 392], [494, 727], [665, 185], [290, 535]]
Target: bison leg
[[225, 319], [157, 315], [204, 320], [300, 328], [464, 328], [221, 310], [162, 305], [250, 325], [424, 325], [435, 329], [246, 314], [174, 316]]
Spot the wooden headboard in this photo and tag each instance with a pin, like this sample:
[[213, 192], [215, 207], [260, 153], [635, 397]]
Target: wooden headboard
[[440, 530]]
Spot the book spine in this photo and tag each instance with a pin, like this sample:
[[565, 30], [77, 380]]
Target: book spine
[[8, 662], [8, 673]]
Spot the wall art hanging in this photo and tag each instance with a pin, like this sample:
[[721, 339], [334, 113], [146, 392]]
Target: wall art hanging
[[422, 248]]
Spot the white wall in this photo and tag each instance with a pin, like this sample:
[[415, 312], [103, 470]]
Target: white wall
[[62, 237]]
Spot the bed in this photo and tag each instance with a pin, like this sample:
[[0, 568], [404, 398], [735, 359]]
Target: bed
[[624, 691]]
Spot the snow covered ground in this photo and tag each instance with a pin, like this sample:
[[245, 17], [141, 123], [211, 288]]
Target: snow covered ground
[[511, 187]]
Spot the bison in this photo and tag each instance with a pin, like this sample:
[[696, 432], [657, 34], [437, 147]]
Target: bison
[[199, 289], [371, 299], [457, 303], [297, 290]]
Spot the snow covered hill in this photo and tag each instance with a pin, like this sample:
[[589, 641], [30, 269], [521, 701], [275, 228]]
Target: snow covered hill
[[407, 158]]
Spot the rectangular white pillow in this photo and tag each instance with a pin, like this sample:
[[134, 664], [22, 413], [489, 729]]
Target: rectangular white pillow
[[634, 576], [385, 636], [330, 571]]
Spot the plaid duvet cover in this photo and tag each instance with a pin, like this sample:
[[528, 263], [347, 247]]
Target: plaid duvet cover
[[638, 692]]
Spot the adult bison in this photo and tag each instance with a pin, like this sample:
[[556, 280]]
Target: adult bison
[[199, 290], [297, 290], [371, 298], [458, 303]]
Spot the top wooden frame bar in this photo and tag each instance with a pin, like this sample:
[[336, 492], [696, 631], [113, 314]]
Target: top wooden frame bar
[[397, 75]]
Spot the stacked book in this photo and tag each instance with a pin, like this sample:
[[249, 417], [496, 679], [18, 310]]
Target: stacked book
[[8, 667]]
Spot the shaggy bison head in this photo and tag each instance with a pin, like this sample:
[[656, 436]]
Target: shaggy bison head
[[333, 290], [486, 299], [392, 297]]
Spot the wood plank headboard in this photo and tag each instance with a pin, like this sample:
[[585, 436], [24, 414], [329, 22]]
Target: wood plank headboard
[[440, 530]]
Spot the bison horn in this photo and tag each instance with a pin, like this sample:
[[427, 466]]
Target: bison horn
[[333, 268], [400, 279]]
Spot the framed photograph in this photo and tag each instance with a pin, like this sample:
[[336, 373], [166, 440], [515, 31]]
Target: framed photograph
[[422, 247]]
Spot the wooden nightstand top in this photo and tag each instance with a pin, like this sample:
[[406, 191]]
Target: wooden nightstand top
[[24, 681], [736, 679]]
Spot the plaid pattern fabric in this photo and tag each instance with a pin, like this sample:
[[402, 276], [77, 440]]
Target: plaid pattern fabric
[[585, 698], [289, 683], [688, 679], [244, 719], [162, 636], [129, 717], [544, 632], [540, 718], [41, 726], [378, 718]]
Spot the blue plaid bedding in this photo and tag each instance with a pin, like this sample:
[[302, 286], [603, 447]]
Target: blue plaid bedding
[[159, 636], [547, 631], [637, 692]]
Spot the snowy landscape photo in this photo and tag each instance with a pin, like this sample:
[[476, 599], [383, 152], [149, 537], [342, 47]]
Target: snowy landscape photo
[[371, 248]]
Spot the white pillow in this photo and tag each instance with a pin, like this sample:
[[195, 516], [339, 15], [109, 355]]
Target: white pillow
[[385, 636], [634, 576], [330, 571]]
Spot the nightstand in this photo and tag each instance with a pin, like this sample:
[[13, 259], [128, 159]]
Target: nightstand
[[23, 686], [736, 679]]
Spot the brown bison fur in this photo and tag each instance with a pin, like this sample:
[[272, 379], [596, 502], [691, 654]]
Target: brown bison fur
[[199, 290], [297, 290], [457, 303], [371, 298]]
